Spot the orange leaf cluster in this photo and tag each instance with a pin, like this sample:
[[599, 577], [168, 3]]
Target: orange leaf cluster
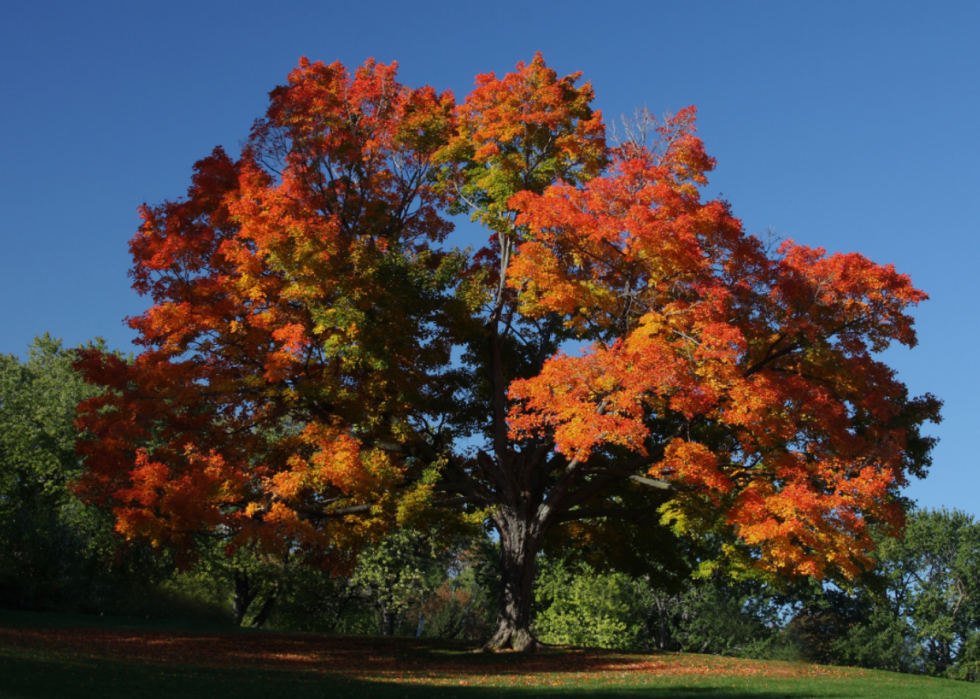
[[767, 360], [269, 338]]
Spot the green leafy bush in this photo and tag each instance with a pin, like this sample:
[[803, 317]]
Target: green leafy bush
[[580, 607]]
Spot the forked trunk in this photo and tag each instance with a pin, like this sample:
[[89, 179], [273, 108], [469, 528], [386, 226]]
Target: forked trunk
[[518, 547], [242, 598], [266, 611]]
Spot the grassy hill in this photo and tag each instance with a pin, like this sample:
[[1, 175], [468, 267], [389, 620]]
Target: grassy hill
[[67, 656]]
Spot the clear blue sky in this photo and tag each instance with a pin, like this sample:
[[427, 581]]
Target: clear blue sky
[[848, 125]]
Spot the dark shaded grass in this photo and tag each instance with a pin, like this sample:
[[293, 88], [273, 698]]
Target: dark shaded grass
[[46, 655], [10, 619]]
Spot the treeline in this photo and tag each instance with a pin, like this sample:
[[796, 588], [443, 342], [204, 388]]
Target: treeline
[[918, 611]]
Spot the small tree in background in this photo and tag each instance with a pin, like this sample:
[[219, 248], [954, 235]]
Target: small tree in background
[[397, 575], [56, 552]]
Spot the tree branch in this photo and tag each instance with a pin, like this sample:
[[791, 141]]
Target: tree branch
[[635, 514]]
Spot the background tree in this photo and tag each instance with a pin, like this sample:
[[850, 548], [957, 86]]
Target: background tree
[[465, 605], [56, 552], [406, 576], [926, 617], [688, 606], [722, 616], [398, 574], [248, 583], [619, 349]]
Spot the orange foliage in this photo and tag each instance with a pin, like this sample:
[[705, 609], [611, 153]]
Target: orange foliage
[[775, 353], [298, 381], [257, 357]]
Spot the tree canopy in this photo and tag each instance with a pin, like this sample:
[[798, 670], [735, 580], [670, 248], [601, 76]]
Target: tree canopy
[[317, 362]]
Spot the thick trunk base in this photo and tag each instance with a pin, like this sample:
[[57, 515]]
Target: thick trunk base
[[518, 546], [509, 638]]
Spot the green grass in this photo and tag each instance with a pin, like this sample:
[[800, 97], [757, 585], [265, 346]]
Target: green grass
[[66, 656]]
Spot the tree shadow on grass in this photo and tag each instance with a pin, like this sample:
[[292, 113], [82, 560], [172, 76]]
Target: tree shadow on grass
[[26, 674], [44, 660], [361, 657]]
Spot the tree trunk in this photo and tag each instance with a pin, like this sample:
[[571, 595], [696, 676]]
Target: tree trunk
[[243, 597], [518, 548], [388, 618], [661, 621], [266, 611]]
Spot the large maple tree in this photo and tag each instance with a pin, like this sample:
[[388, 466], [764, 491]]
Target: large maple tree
[[318, 363]]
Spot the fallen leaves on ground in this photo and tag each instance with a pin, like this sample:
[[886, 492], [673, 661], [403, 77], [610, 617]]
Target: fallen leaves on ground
[[411, 661]]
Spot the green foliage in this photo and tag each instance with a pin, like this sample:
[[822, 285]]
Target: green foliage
[[450, 613], [933, 579], [582, 608], [55, 552], [476, 576], [37, 435], [244, 585], [824, 616], [883, 641], [653, 599], [396, 574], [464, 607], [384, 594], [739, 618], [918, 612], [318, 602]]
